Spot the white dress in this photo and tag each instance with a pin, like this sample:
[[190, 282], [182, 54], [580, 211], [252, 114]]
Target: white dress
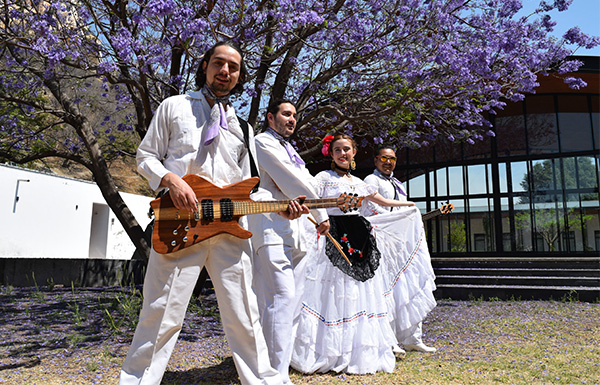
[[411, 277], [344, 323]]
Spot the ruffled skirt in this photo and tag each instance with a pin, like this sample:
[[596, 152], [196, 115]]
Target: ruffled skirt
[[410, 280], [345, 325]]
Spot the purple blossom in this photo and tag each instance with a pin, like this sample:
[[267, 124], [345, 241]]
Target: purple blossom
[[575, 83]]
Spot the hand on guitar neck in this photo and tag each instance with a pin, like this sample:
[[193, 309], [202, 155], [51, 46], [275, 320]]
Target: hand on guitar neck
[[295, 209]]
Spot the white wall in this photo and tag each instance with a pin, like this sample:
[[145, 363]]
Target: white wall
[[48, 216]]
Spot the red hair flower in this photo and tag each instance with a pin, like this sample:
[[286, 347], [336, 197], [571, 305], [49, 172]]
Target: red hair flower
[[326, 142]]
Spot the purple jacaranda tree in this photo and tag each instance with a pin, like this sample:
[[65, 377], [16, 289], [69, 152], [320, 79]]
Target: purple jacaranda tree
[[80, 79]]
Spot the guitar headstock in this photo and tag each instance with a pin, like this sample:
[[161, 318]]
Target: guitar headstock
[[347, 202], [447, 208]]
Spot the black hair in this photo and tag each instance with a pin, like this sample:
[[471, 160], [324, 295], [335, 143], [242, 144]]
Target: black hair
[[383, 147], [201, 74], [273, 108]]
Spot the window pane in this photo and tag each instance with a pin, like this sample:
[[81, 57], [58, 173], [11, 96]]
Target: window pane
[[541, 125], [541, 181], [456, 180], [574, 123], [416, 186], [477, 179], [510, 130], [442, 186], [547, 224], [506, 236], [523, 226], [596, 120], [568, 174], [503, 181], [587, 172], [518, 171]]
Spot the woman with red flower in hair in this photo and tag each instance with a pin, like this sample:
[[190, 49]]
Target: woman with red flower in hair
[[344, 324]]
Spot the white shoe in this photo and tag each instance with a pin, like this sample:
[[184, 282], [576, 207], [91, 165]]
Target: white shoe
[[420, 347], [397, 349]]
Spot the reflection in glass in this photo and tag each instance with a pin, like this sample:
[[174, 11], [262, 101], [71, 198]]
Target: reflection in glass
[[506, 234], [541, 124], [416, 187], [456, 180], [518, 171], [554, 227], [481, 224], [457, 236], [442, 186], [523, 226], [503, 181], [587, 177], [574, 123], [596, 120], [510, 130], [540, 182], [477, 179]]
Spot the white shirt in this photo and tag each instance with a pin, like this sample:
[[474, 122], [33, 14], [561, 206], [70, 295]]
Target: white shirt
[[174, 143], [385, 188], [280, 179]]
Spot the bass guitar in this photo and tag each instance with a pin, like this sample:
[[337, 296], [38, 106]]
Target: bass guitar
[[219, 210]]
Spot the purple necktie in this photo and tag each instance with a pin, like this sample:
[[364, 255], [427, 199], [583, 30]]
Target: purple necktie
[[218, 117], [294, 157], [397, 186], [293, 154], [215, 124]]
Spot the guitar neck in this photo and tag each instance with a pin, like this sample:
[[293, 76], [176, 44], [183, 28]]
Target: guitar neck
[[431, 214], [257, 207]]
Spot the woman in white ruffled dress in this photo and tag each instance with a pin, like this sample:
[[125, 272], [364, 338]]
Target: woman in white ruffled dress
[[344, 323]]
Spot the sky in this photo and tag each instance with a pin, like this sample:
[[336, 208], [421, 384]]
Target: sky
[[584, 14]]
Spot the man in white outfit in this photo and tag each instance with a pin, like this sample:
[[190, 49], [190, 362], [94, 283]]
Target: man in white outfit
[[278, 273], [391, 188], [199, 133]]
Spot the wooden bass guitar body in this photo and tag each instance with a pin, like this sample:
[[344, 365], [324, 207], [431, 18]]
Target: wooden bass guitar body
[[176, 229]]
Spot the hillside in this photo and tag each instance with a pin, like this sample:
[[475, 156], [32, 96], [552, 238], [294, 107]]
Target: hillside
[[123, 171]]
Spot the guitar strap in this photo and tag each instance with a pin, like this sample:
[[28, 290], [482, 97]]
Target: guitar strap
[[245, 129]]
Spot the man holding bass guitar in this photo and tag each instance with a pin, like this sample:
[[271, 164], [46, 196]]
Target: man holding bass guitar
[[278, 243], [200, 134]]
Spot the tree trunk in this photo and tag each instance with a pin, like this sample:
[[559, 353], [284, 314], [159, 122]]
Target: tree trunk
[[109, 190], [100, 169]]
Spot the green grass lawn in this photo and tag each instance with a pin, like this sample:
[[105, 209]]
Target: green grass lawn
[[79, 336]]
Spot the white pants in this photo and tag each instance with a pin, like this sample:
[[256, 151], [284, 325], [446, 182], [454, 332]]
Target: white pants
[[168, 287], [277, 272]]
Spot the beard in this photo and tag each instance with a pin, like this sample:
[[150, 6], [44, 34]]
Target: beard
[[219, 89]]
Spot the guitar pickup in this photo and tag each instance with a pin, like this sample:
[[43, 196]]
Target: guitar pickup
[[226, 209], [208, 213]]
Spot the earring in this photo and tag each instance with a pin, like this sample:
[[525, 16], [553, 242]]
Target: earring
[[352, 165], [333, 165]]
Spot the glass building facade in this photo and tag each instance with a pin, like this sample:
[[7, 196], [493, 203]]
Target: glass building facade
[[532, 188]]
